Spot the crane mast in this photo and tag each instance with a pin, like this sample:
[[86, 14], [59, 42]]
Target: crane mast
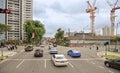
[[112, 15], [91, 9]]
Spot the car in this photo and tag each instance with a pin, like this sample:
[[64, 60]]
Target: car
[[50, 46], [42, 46], [114, 63], [38, 53], [55, 45], [59, 60], [53, 51], [29, 48], [74, 53]]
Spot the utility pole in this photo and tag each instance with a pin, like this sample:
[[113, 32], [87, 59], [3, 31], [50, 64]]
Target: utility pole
[[116, 35]]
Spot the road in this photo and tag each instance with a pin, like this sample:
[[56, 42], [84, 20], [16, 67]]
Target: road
[[25, 62]]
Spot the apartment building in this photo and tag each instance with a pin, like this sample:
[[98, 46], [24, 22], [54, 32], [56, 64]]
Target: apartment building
[[106, 31], [20, 11]]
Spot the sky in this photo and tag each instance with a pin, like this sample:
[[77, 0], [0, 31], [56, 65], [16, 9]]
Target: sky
[[71, 14]]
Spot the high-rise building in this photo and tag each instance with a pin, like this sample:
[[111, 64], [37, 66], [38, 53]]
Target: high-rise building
[[20, 11], [26, 14], [106, 31]]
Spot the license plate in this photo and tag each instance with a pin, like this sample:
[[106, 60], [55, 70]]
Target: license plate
[[62, 61]]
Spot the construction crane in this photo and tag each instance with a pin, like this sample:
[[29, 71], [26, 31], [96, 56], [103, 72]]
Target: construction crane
[[112, 15], [91, 9]]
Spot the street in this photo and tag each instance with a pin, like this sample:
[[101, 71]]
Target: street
[[25, 62]]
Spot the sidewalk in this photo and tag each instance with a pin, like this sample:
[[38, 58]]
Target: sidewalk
[[108, 53], [8, 53]]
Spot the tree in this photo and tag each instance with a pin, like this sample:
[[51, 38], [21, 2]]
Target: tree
[[59, 35], [35, 27], [4, 28]]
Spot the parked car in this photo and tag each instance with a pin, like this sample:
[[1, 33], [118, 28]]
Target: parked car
[[29, 48], [53, 51], [74, 53], [59, 60], [114, 63], [38, 53]]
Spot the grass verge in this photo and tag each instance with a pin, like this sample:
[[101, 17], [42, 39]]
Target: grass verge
[[110, 56], [114, 52], [3, 57]]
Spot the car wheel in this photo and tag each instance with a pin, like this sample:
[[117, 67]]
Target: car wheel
[[107, 64]]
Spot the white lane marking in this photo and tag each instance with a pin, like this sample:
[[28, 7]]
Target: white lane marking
[[3, 61], [29, 59], [70, 64], [92, 62], [111, 71], [19, 63], [45, 64], [68, 59], [101, 67]]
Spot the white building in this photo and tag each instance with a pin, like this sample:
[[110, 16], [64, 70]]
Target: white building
[[20, 11], [106, 31]]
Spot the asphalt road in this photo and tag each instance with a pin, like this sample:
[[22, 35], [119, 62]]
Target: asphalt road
[[25, 62]]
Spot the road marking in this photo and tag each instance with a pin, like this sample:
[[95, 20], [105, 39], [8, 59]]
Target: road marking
[[3, 61], [68, 59], [70, 64], [45, 64], [111, 71], [19, 63], [92, 62], [101, 67]]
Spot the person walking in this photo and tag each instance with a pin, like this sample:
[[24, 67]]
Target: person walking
[[97, 48], [16, 47]]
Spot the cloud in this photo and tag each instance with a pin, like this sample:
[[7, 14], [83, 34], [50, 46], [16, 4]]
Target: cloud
[[71, 14]]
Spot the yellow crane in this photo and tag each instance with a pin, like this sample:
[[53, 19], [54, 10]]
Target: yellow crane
[[91, 9], [112, 15]]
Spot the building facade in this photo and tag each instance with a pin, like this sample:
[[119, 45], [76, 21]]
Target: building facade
[[20, 11], [106, 31]]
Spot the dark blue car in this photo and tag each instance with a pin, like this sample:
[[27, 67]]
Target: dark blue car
[[74, 53]]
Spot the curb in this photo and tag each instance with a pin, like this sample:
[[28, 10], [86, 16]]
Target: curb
[[4, 58], [98, 54]]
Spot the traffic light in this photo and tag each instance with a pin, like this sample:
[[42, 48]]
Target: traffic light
[[106, 43], [6, 11]]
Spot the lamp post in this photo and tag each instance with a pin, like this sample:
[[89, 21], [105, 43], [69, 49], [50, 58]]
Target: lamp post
[[116, 35], [84, 35]]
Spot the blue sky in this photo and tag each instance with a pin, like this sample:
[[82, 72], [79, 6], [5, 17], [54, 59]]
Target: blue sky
[[71, 14]]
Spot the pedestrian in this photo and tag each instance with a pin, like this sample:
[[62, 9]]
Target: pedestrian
[[16, 47], [90, 48], [97, 48]]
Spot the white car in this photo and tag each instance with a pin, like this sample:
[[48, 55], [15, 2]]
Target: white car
[[59, 60], [53, 51]]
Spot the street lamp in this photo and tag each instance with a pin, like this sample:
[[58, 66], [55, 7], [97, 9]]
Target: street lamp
[[84, 35], [116, 36]]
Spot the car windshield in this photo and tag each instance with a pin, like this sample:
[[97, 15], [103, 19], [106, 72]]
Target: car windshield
[[74, 51], [62, 57], [53, 48]]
